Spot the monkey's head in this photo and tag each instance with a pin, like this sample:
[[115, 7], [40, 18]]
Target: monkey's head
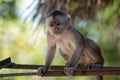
[[57, 22]]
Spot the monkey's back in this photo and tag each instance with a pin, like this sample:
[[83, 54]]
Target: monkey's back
[[91, 53]]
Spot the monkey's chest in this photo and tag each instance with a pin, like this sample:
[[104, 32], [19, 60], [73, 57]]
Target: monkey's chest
[[66, 47]]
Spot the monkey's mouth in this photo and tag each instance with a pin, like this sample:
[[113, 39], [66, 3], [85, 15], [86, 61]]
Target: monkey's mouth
[[56, 31]]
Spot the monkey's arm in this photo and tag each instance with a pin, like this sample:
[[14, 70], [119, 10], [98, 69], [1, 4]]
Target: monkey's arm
[[72, 64], [50, 55], [51, 47], [75, 57]]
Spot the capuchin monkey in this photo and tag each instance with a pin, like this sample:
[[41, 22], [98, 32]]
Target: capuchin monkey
[[73, 46]]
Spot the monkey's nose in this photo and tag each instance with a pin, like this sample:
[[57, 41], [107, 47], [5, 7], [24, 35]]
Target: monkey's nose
[[56, 30]]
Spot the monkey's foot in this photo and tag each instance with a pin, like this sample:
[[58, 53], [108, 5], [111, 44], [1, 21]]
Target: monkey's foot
[[69, 70], [95, 66], [82, 66], [41, 71]]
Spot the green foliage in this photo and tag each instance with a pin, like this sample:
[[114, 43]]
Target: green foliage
[[19, 45], [7, 8], [109, 13]]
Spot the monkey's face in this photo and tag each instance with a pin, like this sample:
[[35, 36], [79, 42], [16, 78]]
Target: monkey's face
[[56, 25]]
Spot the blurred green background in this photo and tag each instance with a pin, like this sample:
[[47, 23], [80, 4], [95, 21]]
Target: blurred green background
[[25, 45]]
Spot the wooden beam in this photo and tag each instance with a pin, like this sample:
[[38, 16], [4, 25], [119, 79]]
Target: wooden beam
[[57, 70], [61, 73], [53, 67]]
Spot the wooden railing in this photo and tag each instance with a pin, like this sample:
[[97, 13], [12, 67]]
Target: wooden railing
[[56, 70]]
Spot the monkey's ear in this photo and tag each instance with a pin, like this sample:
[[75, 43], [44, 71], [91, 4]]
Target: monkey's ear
[[69, 19]]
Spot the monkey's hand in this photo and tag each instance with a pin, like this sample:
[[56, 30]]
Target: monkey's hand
[[69, 70], [42, 70]]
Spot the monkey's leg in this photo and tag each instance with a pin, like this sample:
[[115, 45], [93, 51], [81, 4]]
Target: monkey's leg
[[99, 77], [97, 66], [82, 66]]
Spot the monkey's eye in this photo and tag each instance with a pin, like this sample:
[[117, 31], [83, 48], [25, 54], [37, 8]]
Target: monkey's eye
[[51, 24], [57, 24]]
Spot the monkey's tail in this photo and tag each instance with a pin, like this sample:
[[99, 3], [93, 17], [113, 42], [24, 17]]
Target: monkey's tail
[[99, 77]]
